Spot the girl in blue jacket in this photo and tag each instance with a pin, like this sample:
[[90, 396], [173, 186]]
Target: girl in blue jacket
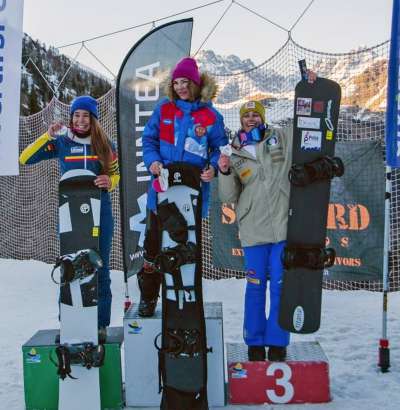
[[185, 127], [84, 145]]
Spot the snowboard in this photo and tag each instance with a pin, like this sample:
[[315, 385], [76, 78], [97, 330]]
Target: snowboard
[[183, 351], [79, 229], [316, 113]]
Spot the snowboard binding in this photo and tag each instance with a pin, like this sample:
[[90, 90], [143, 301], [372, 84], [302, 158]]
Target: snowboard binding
[[171, 259], [77, 266], [308, 257], [181, 342], [85, 354], [324, 168]]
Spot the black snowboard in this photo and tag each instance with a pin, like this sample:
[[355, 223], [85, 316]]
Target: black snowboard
[[316, 112], [182, 357], [79, 229]]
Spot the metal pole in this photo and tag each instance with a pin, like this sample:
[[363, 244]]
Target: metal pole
[[384, 351]]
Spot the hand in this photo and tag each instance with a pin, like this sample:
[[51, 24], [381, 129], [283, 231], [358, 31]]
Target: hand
[[224, 163], [311, 76], [155, 168], [54, 128], [208, 174], [103, 182]]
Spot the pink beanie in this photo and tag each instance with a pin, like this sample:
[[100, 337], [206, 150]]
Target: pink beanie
[[187, 68]]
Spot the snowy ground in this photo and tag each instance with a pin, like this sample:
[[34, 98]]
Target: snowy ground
[[349, 334]]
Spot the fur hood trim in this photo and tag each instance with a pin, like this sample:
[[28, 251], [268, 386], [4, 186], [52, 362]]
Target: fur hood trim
[[208, 89]]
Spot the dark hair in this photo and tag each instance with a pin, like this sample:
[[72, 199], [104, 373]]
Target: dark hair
[[194, 91]]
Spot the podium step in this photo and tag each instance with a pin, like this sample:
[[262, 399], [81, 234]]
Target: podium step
[[141, 360], [302, 378]]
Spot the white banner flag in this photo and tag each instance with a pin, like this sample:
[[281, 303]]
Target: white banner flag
[[11, 13]]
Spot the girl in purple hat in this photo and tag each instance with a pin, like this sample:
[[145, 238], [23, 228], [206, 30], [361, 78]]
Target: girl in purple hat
[[185, 127], [84, 145]]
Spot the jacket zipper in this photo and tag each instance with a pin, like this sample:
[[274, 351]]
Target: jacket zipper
[[84, 156]]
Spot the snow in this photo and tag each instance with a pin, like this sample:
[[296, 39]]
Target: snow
[[349, 334]]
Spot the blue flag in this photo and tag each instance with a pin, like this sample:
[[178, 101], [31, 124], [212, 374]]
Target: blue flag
[[393, 98]]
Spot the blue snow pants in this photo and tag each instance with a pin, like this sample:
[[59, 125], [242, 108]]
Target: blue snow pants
[[104, 280], [258, 330]]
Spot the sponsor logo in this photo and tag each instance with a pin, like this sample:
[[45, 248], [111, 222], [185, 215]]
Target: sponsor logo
[[200, 131], [137, 222], [318, 106], [167, 121], [309, 122], [85, 208], [238, 372], [246, 173], [250, 105], [186, 207], [298, 318], [76, 150], [311, 140], [177, 178], [254, 281], [272, 140], [303, 106], [328, 118], [33, 357], [134, 328]]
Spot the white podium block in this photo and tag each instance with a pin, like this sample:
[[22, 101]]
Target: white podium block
[[141, 358]]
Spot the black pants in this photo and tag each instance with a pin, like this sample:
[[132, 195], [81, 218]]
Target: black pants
[[152, 239]]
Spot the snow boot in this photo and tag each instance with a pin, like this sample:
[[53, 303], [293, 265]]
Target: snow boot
[[149, 281], [277, 353], [256, 353]]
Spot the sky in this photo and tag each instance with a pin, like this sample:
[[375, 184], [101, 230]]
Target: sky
[[330, 26]]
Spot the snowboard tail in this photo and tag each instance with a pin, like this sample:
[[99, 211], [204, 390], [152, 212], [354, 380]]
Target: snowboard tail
[[316, 115], [183, 351]]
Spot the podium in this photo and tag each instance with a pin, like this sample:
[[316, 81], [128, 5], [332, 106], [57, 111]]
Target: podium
[[41, 382], [141, 358], [302, 378]]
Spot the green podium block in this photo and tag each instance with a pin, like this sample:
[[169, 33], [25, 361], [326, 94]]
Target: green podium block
[[40, 374]]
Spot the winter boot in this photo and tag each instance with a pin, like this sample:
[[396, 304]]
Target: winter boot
[[256, 353], [276, 353], [149, 280]]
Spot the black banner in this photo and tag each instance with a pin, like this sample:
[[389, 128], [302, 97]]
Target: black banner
[[140, 86], [355, 218]]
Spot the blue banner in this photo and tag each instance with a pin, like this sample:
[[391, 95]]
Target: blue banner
[[393, 100]]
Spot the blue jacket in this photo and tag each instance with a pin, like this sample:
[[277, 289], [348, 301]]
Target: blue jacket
[[72, 152], [183, 131]]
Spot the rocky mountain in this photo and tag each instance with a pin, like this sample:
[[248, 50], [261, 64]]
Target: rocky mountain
[[48, 65], [361, 73]]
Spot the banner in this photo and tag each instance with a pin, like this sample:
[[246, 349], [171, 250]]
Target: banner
[[355, 218], [11, 13], [140, 86], [393, 98]]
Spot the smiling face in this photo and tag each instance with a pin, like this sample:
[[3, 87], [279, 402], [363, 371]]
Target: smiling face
[[181, 88], [81, 121], [250, 120]]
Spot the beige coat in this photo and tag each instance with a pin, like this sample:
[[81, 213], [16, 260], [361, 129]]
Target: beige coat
[[259, 188]]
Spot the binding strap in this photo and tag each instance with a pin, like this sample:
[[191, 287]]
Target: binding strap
[[85, 354]]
